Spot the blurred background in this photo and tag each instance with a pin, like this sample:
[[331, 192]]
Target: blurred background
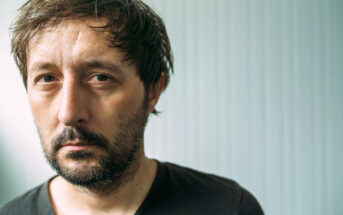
[[257, 97]]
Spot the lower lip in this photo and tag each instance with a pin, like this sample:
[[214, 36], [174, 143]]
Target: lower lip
[[76, 147]]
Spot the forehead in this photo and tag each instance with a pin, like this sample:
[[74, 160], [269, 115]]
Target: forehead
[[74, 35], [72, 41], [70, 28]]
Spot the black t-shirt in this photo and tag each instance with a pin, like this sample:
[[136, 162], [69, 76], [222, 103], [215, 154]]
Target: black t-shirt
[[176, 190]]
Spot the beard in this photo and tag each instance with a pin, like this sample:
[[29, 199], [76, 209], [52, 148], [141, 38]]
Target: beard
[[115, 159]]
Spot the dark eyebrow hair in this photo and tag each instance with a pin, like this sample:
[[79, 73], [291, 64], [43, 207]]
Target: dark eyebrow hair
[[42, 65], [93, 64]]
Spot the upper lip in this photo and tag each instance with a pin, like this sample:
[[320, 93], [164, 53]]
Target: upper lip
[[76, 143]]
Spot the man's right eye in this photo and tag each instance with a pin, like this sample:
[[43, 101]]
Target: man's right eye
[[46, 79]]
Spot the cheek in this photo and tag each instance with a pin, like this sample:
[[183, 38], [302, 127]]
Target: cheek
[[116, 108], [130, 98], [119, 106], [130, 103], [42, 115]]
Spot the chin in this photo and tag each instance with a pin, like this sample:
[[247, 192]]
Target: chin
[[86, 169], [82, 173]]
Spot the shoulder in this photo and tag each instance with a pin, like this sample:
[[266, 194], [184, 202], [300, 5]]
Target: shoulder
[[195, 177], [24, 204], [211, 193]]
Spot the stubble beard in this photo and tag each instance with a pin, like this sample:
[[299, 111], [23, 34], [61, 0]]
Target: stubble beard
[[118, 161]]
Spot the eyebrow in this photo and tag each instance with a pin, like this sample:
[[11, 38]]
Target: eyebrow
[[93, 64], [96, 64], [41, 66]]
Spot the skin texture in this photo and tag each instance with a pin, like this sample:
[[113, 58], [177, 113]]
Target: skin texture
[[67, 90]]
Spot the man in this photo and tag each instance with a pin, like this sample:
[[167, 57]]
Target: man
[[94, 71]]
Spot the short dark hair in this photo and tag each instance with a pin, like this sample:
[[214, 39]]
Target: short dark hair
[[134, 28]]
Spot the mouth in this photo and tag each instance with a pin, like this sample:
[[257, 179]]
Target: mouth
[[77, 146]]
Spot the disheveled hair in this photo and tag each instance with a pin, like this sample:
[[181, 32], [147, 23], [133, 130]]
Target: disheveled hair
[[133, 26]]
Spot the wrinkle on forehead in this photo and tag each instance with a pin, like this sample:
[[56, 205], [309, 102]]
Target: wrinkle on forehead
[[67, 26], [72, 43], [67, 39]]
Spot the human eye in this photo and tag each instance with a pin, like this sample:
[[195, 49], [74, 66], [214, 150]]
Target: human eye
[[45, 82], [44, 79], [100, 79]]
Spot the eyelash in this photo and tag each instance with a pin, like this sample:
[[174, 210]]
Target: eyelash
[[96, 79], [45, 76], [99, 76]]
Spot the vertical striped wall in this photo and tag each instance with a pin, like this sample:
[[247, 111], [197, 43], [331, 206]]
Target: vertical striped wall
[[257, 96]]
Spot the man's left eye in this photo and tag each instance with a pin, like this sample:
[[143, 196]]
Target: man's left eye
[[101, 81], [101, 77]]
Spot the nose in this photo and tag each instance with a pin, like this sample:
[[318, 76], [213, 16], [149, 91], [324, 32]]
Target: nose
[[73, 109]]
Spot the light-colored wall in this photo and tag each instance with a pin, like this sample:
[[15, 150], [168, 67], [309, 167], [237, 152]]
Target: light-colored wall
[[256, 97]]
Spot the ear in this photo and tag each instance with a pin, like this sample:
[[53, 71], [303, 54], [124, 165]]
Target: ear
[[155, 92]]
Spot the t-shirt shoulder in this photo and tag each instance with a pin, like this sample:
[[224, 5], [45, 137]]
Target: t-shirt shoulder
[[212, 193], [32, 202]]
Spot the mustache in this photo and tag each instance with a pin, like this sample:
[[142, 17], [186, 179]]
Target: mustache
[[83, 134]]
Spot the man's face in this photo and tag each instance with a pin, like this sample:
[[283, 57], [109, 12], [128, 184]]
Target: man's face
[[88, 104]]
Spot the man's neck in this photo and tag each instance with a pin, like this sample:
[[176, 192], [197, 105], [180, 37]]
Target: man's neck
[[124, 198]]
